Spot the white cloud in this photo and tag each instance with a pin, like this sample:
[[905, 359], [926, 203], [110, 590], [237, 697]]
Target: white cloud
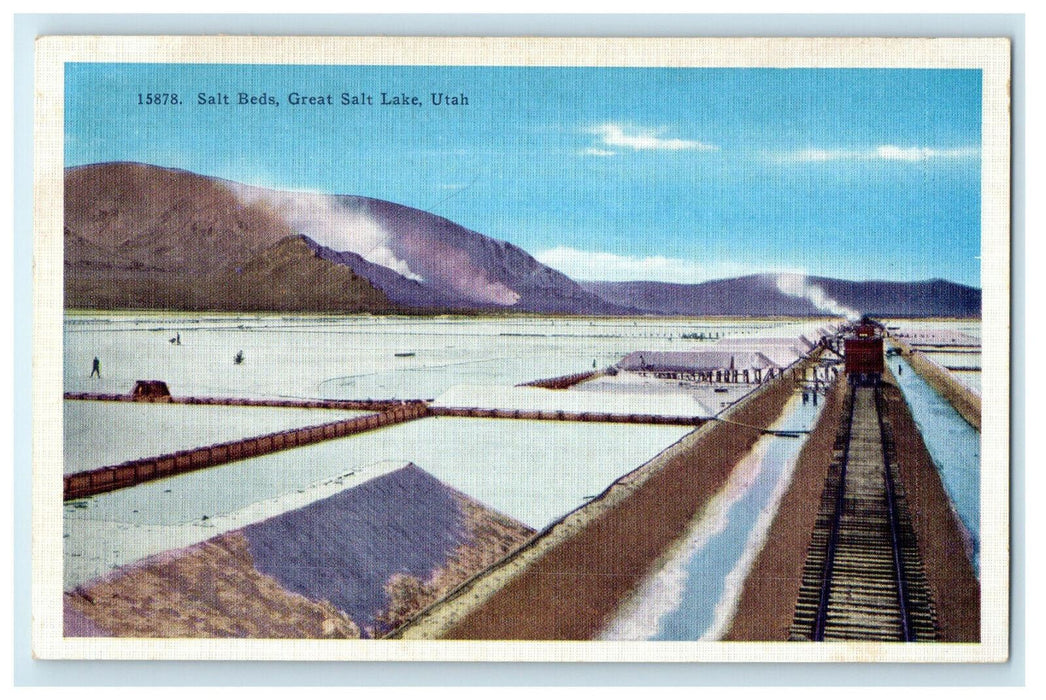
[[879, 153], [610, 267], [597, 152], [617, 136], [916, 153]]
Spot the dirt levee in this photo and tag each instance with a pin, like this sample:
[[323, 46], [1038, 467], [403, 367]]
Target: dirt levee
[[953, 583], [567, 583], [967, 403], [767, 604]]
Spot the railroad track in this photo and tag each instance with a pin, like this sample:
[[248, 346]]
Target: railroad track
[[863, 578]]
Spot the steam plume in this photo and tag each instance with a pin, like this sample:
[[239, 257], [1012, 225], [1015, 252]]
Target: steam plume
[[797, 285], [330, 223]]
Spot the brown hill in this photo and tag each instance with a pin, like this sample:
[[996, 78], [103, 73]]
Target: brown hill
[[137, 236], [286, 276], [141, 236], [162, 219]]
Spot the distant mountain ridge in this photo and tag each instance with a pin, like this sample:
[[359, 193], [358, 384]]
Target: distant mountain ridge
[[142, 236], [761, 295]]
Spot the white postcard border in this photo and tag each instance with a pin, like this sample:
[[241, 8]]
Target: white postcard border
[[991, 55]]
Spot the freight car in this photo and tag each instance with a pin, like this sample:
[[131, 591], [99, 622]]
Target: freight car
[[863, 351]]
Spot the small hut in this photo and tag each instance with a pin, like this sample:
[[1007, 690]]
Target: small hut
[[150, 390]]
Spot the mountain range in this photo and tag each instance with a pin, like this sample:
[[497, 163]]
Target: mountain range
[[140, 236], [762, 295]]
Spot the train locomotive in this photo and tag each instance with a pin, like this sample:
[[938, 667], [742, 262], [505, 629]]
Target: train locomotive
[[863, 353]]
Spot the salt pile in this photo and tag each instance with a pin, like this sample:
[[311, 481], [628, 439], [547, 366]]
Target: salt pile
[[356, 563]]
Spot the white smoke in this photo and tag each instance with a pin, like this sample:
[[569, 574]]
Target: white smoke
[[330, 223], [797, 285]]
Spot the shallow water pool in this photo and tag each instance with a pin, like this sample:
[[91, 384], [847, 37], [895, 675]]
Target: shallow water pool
[[693, 597], [954, 445], [102, 433]]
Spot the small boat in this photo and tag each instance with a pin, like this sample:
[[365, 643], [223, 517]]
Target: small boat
[[404, 354]]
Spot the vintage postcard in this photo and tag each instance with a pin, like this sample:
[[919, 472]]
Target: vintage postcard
[[521, 349]]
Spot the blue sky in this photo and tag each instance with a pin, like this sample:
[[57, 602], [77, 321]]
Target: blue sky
[[681, 175]]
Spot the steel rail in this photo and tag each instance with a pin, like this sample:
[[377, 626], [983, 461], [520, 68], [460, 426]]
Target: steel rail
[[891, 504], [833, 538]]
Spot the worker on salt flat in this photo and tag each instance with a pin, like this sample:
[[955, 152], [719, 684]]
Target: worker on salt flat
[[96, 368]]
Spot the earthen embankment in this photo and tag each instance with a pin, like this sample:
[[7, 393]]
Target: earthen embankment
[[333, 404], [767, 603], [564, 382], [953, 582], [960, 396], [569, 581]]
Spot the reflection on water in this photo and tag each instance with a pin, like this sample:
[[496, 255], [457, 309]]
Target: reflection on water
[[954, 445], [695, 594]]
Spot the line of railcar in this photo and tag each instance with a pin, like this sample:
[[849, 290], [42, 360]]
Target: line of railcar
[[863, 353]]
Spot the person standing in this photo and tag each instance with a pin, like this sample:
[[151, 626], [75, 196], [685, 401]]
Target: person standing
[[96, 368]]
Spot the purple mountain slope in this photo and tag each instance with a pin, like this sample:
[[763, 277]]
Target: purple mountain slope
[[755, 295], [482, 272], [930, 298], [399, 289], [158, 224], [794, 295]]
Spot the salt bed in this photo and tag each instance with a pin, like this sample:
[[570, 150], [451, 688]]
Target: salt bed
[[966, 360], [675, 404], [968, 326], [533, 471], [965, 367], [694, 595], [954, 445], [101, 433], [363, 357]]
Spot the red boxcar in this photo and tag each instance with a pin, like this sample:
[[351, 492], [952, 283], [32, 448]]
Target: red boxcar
[[863, 351]]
